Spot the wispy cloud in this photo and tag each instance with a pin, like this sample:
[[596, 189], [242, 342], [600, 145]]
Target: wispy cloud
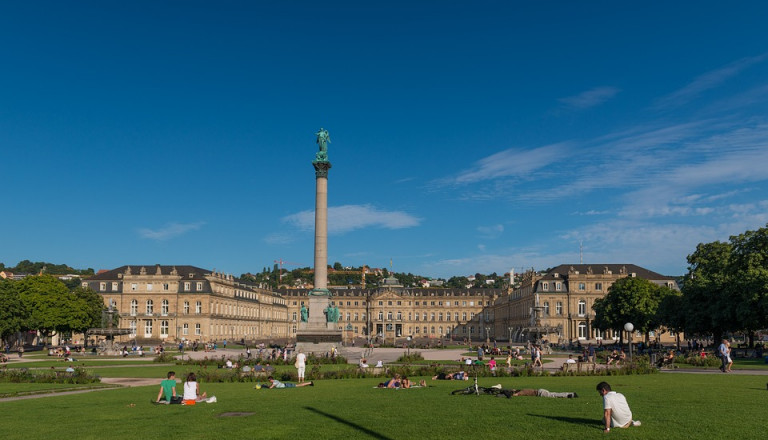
[[590, 98], [510, 163], [171, 230], [707, 81], [347, 218], [490, 232]]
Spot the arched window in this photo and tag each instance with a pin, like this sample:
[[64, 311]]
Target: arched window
[[582, 307], [582, 330], [132, 326], [148, 328], [186, 307], [134, 309], [164, 308], [150, 307], [163, 328], [198, 307]]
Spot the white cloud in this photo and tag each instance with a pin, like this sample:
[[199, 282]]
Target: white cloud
[[707, 81], [590, 98], [171, 230], [347, 218], [510, 163], [493, 230]]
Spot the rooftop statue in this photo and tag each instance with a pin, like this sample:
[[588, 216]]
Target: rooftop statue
[[323, 139]]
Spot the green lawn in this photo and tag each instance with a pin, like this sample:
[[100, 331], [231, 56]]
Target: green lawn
[[671, 406], [12, 389]]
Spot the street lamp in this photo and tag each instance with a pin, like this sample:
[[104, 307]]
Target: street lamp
[[629, 327], [409, 346]]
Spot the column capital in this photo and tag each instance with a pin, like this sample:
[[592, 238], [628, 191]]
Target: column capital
[[321, 168]]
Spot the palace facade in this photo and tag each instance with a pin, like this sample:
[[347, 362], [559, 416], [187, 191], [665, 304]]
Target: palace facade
[[171, 303], [391, 313], [557, 304]]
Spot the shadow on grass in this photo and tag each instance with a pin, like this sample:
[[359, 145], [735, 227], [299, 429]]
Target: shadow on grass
[[574, 420], [364, 430]]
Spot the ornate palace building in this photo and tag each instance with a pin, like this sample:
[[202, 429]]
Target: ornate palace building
[[391, 313], [171, 303], [557, 304]]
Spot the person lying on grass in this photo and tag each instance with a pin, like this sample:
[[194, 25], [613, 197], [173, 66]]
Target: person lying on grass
[[274, 383]]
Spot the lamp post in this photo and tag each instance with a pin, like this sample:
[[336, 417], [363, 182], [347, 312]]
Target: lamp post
[[629, 327], [409, 346]]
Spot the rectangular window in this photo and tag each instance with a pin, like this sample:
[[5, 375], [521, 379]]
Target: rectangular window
[[166, 287], [198, 307], [582, 287], [134, 286], [598, 286], [558, 286], [163, 328], [114, 287], [185, 329], [545, 286], [559, 308], [199, 287], [187, 286], [148, 328], [149, 287], [132, 326], [197, 329]]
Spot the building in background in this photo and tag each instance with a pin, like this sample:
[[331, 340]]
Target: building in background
[[391, 313], [172, 303], [556, 305]]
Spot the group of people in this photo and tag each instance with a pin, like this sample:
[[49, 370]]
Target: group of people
[[400, 382], [724, 352], [167, 394]]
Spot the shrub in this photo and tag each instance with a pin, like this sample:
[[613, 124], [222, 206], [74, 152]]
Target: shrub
[[410, 358], [23, 375]]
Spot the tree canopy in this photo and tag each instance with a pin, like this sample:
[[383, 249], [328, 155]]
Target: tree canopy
[[45, 304], [633, 300], [726, 287]]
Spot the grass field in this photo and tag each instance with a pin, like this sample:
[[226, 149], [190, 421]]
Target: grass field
[[671, 406]]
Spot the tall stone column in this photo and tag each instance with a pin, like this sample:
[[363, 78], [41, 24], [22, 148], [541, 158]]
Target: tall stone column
[[319, 333], [321, 227]]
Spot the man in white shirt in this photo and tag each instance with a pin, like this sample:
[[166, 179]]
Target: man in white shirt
[[616, 409], [301, 365]]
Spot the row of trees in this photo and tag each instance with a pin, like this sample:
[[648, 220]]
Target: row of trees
[[45, 304], [338, 275], [29, 267], [725, 291]]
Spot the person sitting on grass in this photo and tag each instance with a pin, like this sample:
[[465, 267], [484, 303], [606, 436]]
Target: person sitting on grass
[[167, 393], [192, 391], [274, 383]]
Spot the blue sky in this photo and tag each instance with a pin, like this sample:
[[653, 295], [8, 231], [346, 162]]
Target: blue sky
[[465, 136]]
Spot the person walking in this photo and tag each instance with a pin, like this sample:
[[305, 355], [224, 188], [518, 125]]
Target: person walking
[[301, 365], [616, 412], [722, 351]]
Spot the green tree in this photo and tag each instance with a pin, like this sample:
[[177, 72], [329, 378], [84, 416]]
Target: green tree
[[12, 311], [92, 304], [629, 299], [749, 281], [51, 307], [457, 282], [706, 293], [337, 266]]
